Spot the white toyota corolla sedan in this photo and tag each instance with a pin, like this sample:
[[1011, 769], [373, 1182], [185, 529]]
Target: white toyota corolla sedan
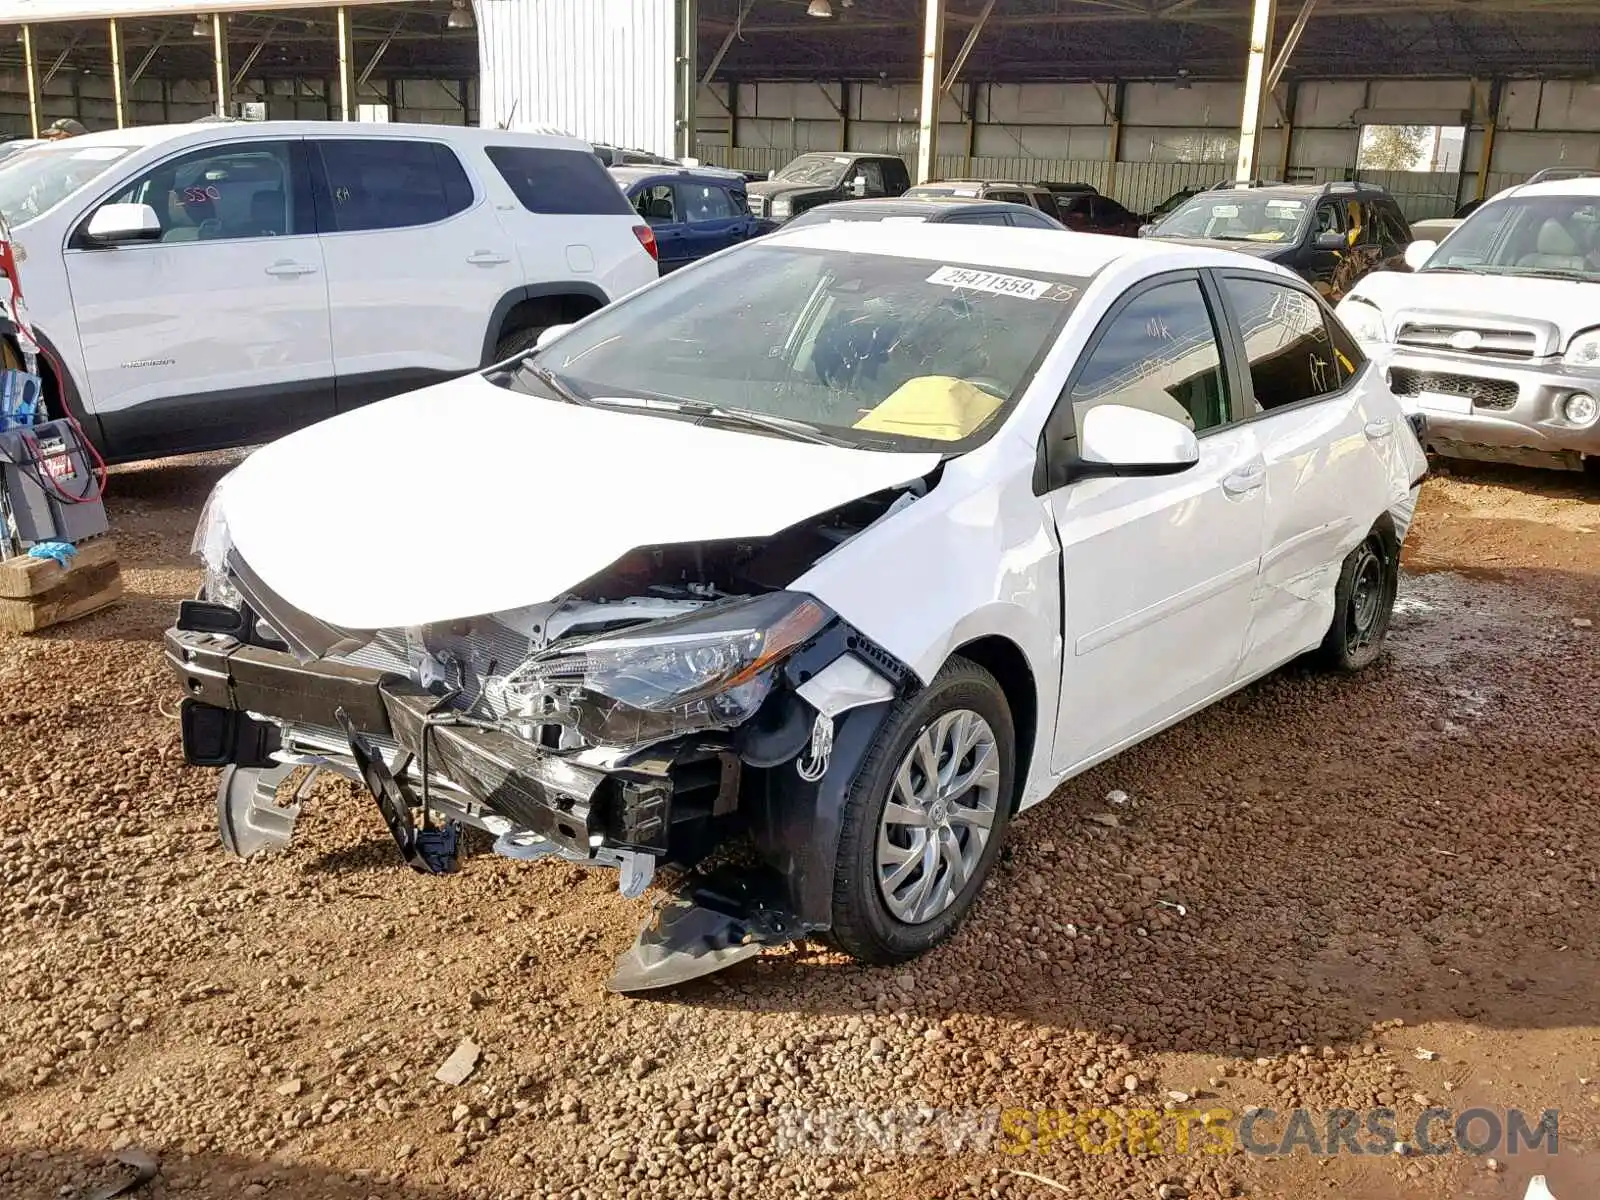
[[801, 571]]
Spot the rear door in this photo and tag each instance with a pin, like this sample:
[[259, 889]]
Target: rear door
[[217, 333], [1324, 454], [416, 262]]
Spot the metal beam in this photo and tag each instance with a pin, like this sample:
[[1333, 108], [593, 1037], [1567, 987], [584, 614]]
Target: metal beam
[[62, 58], [377, 55], [138, 72], [255, 53], [223, 79], [347, 66], [1290, 41], [928, 109], [1490, 123], [31, 66], [119, 86], [1114, 139], [966, 47], [1261, 18], [688, 79], [727, 41]]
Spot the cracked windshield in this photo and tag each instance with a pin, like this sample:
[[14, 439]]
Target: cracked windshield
[[882, 352]]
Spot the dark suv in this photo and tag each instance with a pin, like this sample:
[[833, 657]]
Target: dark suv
[[814, 179], [1330, 233]]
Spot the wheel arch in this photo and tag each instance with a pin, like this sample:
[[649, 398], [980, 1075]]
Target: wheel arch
[[1005, 660], [550, 303]]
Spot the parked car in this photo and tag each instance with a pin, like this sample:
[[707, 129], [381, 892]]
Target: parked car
[[886, 531], [1089, 212], [1434, 229], [207, 285], [1006, 192], [1182, 195], [693, 213], [614, 156], [1495, 334], [814, 179], [1331, 234], [934, 210], [1068, 189]]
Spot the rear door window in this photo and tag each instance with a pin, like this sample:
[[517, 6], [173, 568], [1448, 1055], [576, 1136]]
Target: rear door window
[[558, 182], [656, 204], [388, 183]]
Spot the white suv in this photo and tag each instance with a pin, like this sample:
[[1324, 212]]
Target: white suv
[[211, 285]]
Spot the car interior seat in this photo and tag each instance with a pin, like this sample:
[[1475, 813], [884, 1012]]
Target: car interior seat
[[1556, 250]]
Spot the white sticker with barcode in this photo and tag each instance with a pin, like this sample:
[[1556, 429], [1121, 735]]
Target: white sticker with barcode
[[990, 281]]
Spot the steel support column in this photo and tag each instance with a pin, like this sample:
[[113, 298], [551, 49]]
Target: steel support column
[[222, 75], [119, 83], [1286, 153], [347, 68], [1114, 136], [31, 66], [1261, 20], [688, 79], [928, 109], [1490, 122]]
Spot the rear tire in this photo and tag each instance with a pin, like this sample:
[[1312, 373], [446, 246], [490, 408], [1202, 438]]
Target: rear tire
[[946, 827], [1363, 602], [517, 341]]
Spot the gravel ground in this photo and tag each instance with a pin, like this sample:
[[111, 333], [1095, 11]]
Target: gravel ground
[[1323, 893]]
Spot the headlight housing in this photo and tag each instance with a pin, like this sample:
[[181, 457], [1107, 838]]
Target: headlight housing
[[1362, 318], [710, 669], [781, 209], [211, 545], [1584, 351]]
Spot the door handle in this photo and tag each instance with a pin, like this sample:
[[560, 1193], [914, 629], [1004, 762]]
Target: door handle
[[486, 258], [285, 267], [1242, 483], [1380, 428]]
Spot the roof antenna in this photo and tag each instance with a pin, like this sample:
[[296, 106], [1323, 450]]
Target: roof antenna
[[510, 116]]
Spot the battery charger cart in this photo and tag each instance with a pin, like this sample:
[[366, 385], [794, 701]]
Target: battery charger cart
[[57, 561]]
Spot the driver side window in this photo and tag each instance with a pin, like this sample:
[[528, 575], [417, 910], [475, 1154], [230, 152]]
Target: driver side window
[[1161, 354], [224, 193]]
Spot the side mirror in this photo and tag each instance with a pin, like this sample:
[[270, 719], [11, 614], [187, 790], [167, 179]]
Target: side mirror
[[116, 223], [858, 186], [1116, 439], [1147, 229], [1330, 239], [772, 174], [1418, 253], [550, 334]]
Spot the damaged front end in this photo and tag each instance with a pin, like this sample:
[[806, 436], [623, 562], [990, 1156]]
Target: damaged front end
[[683, 709]]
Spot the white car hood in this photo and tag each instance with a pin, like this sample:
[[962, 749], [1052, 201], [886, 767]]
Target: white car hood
[[465, 498], [1569, 305]]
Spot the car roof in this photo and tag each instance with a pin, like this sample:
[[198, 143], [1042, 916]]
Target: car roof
[[1009, 249], [1583, 185], [1007, 183], [202, 131], [628, 176], [918, 206]]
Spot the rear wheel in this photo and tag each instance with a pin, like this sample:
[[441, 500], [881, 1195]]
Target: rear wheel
[[926, 818], [1363, 602]]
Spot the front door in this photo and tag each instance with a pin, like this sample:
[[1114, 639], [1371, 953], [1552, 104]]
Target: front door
[[1320, 450], [417, 262], [217, 332], [1157, 572]]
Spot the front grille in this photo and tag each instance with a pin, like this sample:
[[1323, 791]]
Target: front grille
[[1498, 394], [1500, 343], [759, 205]]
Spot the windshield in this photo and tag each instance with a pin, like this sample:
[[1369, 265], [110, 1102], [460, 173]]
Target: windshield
[[1526, 235], [32, 184], [1235, 217], [825, 169], [878, 352]]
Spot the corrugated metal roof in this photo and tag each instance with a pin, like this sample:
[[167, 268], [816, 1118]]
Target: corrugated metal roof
[[37, 11], [599, 69]]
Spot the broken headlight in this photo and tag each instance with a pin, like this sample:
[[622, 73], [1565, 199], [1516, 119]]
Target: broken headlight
[[706, 670], [211, 545]]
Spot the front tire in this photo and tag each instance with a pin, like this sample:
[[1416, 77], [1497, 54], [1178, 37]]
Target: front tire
[[1363, 602], [926, 818]]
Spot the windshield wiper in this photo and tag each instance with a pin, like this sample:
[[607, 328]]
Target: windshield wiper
[[559, 387], [1550, 273], [789, 427]]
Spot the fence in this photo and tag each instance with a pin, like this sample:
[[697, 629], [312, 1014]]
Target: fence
[[1140, 186]]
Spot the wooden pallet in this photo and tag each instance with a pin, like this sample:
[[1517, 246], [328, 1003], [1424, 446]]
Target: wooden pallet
[[36, 593]]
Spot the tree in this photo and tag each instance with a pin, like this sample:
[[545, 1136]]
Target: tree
[[1395, 147]]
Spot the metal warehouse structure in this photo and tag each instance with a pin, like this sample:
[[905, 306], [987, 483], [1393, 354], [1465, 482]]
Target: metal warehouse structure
[[1139, 97]]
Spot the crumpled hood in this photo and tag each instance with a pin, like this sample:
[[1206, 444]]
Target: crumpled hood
[[1253, 249], [465, 498], [1566, 304]]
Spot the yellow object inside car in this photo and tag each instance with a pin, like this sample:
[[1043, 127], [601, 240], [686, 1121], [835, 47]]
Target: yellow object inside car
[[938, 407]]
